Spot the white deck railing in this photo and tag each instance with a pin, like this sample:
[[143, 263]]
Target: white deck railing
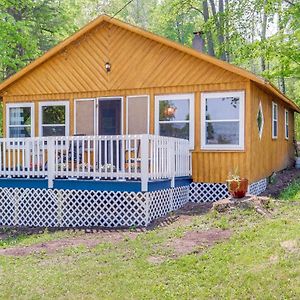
[[123, 157]]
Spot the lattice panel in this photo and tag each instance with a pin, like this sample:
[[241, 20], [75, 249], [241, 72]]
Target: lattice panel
[[258, 187], [71, 208], [206, 192], [165, 201], [97, 208]]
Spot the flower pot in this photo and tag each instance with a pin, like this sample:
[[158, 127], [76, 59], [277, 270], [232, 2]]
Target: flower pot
[[237, 187]]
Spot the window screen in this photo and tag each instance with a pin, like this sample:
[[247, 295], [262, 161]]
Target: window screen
[[85, 117], [137, 115]]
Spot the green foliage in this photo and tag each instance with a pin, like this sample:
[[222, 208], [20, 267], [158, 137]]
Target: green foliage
[[262, 36], [292, 192]]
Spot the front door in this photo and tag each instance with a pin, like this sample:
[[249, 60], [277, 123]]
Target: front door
[[110, 123], [110, 117]]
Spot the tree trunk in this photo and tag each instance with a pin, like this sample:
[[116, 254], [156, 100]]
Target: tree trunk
[[210, 43]]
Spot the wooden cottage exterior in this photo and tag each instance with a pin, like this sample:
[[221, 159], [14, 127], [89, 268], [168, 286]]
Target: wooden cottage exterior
[[145, 71]]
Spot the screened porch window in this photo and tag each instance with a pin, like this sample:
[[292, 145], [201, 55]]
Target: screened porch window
[[174, 115], [20, 120], [54, 118], [222, 121]]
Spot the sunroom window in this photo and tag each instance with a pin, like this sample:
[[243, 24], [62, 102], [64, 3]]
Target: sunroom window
[[222, 121], [174, 115], [20, 120], [54, 118]]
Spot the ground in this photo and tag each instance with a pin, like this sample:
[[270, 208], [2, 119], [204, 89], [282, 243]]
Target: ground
[[195, 253]]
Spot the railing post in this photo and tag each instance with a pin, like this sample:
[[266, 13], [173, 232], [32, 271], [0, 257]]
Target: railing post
[[144, 162], [172, 161], [51, 161]]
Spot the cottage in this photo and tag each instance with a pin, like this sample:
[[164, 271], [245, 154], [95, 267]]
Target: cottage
[[117, 126]]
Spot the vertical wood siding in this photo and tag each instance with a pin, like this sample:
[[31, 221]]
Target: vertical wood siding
[[270, 155]]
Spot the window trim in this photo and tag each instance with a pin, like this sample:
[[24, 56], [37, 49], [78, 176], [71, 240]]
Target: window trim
[[286, 124], [191, 98], [18, 105], [207, 95], [148, 111], [274, 104], [54, 103]]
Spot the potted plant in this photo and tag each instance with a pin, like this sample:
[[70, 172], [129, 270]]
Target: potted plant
[[236, 185]]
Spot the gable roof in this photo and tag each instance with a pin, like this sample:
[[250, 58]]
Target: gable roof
[[104, 18]]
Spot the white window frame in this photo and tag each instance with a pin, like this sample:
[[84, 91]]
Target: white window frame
[[148, 110], [54, 103], [241, 120], [19, 105], [95, 112], [274, 105], [286, 124], [191, 98]]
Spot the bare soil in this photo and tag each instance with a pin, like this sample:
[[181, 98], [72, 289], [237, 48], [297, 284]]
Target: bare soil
[[281, 180], [89, 240], [198, 241]]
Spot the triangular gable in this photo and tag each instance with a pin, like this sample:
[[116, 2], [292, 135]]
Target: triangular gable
[[139, 59]]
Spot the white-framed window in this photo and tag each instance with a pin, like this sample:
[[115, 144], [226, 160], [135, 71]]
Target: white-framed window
[[286, 123], [137, 114], [174, 115], [274, 120], [54, 118], [222, 120], [20, 120]]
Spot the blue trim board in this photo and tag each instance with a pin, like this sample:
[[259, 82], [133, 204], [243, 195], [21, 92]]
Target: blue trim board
[[96, 185]]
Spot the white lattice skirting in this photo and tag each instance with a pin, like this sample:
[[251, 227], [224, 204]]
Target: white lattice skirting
[[207, 192], [71, 208], [258, 187]]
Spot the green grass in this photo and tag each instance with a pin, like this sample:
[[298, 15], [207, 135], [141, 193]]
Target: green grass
[[292, 192], [251, 264]]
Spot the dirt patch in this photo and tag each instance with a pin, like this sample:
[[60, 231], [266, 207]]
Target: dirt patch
[[291, 246], [281, 180], [197, 241], [182, 216], [88, 240]]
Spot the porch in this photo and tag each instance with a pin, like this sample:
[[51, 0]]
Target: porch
[[116, 162]]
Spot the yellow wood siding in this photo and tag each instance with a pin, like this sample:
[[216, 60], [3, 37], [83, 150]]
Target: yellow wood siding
[[270, 155], [142, 66], [136, 62]]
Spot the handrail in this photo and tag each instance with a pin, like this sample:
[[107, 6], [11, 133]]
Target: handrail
[[119, 157]]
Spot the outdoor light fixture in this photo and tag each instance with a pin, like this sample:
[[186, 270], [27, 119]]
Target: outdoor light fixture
[[107, 67]]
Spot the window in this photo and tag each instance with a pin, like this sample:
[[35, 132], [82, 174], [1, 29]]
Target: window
[[19, 120], [54, 118], [175, 116], [286, 122], [85, 116], [222, 121], [260, 120], [137, 114], [274, 120]]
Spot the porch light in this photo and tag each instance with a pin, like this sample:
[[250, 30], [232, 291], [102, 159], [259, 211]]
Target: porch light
[[107, 67]]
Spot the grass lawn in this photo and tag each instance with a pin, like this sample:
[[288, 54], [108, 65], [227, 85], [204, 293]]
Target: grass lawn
[[260, 260]]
